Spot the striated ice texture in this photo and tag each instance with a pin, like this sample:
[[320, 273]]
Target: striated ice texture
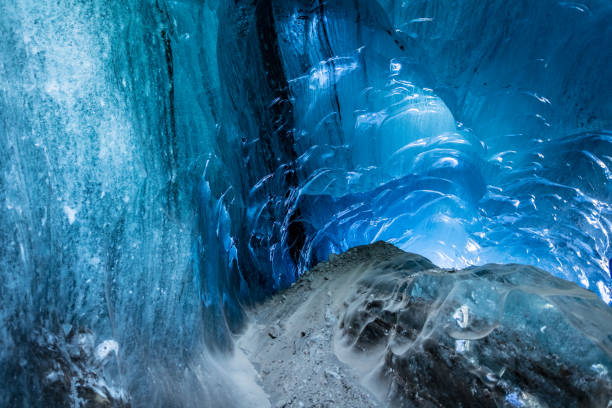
[[164, 163]]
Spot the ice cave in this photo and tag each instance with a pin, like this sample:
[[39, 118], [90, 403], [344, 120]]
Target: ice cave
[[305, 203]]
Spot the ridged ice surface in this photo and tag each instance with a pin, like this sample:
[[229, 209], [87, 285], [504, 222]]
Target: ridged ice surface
[[165, 162], [450, 133]]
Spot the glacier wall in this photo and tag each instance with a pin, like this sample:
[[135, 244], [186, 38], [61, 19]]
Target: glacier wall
[[103, 155], [164, 163], [461, 97]]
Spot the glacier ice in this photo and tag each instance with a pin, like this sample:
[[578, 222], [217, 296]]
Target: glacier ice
[[481, 336], [166, 162]]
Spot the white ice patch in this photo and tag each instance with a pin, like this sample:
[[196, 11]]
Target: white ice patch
[[70, 213], [462, 346], [105, 348], [606, 293], [600, 369], [461, 316]]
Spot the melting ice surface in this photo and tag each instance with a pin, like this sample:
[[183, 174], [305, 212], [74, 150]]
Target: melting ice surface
[[166, 162]]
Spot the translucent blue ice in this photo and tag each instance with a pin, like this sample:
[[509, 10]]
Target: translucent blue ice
[[164, 162]]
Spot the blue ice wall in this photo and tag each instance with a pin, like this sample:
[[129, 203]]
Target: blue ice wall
[[469, 132], [164, 163], [107, 121]]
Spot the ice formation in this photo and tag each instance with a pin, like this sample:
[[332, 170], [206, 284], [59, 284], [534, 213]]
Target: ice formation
[[416, 335], [166, 162], [478, 337]]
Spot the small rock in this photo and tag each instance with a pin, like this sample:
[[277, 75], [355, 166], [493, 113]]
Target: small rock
[[274, 331], [333, 374]]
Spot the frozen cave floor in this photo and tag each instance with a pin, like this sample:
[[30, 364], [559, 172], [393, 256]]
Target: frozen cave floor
[[376, 326]]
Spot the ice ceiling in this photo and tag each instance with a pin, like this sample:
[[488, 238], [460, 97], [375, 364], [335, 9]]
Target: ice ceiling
[[164, 163]]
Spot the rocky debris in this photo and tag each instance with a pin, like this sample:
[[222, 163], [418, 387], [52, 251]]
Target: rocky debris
[[290, 343], [489, 336], [376, 326], [71, 369]]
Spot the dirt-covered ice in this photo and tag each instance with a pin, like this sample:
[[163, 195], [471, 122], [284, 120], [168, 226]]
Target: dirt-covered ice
[[376, 326], [290, 339]]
